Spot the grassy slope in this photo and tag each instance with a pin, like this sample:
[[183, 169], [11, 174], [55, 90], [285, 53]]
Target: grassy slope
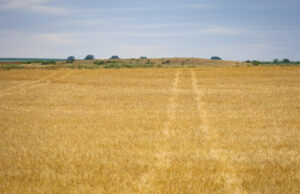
[[128, 63]]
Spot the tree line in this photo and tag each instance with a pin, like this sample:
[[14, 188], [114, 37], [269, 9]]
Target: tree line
[[275, 61]]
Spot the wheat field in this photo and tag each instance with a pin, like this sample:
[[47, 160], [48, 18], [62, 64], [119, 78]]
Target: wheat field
[[168, 130]]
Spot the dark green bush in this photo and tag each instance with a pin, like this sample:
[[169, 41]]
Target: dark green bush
[[48, 63], [30, 62], [276, 61], [41, 62], [112, 61], [114, 57], [286, 61], [99, 62], [106, 62], [70, 59], [128, 66], [255, 62], [215, 58], [117, 66], [89, 57]]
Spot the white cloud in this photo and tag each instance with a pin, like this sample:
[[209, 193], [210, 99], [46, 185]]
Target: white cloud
[[29, 44], [51, 10], [148, 8], [182, 33], [16, 4], [57, 39], [221, 31], [39, 6], [198, 6], [42, 6], [104, 44]]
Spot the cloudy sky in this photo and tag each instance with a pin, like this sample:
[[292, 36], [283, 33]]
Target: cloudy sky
[[231, 29]]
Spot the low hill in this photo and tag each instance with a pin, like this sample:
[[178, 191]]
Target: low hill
[[124, 63]]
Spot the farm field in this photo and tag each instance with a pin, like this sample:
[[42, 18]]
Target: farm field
[[156, 130]]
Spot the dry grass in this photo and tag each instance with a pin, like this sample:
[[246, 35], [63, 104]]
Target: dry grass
[[213, 130]]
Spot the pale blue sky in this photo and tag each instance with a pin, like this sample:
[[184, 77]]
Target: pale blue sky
[[231, 29]]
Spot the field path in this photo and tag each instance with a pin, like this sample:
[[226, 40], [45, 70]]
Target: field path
[[163, 159], [26, 83], [186, 130], [146, 182], [233, 184], [171, 112], [201, 111]]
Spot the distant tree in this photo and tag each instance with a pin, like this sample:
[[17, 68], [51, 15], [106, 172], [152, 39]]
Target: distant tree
[[70, 59], [115, 57], [276, 61], [89, 57], [286, 61], [255, 62], [248, 61], [143, 57], [215, 58]]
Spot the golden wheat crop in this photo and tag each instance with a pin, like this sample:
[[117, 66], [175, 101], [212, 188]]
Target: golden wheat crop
[[188, 130]]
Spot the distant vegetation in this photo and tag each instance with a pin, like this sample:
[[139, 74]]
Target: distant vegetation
[[31, 62], [255, 62], [142, 62], [105, 62], [28, 59], [274, 62], [40, 62], [89, 57], [216, 58], [11, 66], [286, 61], [48, 62], [115, 57], [166, 62], [132, 63], [70, 59]]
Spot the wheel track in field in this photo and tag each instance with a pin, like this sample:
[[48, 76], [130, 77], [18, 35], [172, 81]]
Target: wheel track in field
[[26, 83], [163, 160], [34, 84], [233, 183]]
